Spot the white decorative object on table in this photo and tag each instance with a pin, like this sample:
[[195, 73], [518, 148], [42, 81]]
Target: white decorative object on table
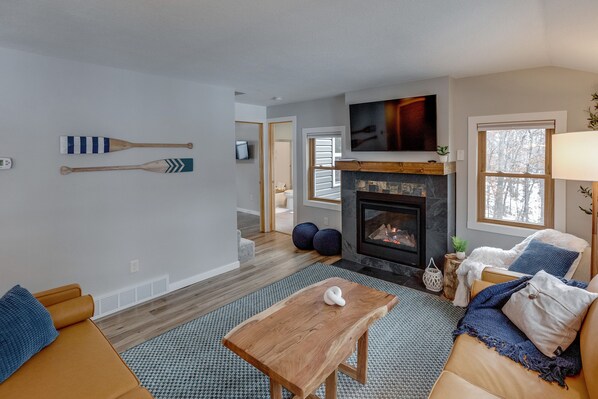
[[460, 255], [433, 277], [334, 296]]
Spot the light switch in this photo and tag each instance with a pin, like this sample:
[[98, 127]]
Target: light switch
[[460, 155], [5, 163]]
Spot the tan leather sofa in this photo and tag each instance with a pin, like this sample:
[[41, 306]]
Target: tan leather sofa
[[79, 364], [474, 371]]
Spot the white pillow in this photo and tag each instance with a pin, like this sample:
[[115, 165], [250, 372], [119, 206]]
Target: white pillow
[[549, 312]]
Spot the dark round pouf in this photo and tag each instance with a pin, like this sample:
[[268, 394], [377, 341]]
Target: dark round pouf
[[328, 242], [303, 235]]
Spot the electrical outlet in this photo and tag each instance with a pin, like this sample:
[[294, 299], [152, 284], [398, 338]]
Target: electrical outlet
[[325, 221], [250, 197], [134, 265]]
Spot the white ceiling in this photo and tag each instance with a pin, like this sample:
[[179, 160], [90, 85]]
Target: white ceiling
[[306, 49]]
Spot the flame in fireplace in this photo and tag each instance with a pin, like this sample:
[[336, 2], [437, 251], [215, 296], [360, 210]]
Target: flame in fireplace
[[393, 235]]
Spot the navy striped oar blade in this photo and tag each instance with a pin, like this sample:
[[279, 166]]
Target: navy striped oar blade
[[84, 145]]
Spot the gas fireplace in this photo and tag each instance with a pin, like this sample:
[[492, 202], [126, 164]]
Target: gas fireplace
[[392, 227]]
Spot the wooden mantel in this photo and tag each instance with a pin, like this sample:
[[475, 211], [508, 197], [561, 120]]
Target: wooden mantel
[[412, 168]]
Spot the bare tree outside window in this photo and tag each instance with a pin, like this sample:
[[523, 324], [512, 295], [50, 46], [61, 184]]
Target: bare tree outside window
[[515, 186]]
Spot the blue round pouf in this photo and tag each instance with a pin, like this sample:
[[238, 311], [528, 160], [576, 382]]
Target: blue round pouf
[[328, 242], [303, 235]]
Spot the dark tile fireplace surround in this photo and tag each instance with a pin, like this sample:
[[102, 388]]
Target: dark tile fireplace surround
[[395, 222]]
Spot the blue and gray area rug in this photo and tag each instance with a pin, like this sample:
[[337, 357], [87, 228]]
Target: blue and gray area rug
[[407, 348]]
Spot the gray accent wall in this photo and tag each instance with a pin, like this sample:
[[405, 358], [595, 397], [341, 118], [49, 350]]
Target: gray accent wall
[[330, 111], [530, 90], [87, 227]]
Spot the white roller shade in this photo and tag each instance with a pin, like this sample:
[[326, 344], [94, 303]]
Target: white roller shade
[[548, 124]]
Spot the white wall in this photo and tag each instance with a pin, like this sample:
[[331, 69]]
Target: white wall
[[86, 227], [283, 160], [248, 171], [250, 113], [531, 90], [282, 164]]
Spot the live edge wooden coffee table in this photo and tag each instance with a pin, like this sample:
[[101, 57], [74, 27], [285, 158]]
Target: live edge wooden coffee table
[[301, 342]]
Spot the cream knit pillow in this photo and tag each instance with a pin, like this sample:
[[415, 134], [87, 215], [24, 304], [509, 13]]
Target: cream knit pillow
[[549, 312]]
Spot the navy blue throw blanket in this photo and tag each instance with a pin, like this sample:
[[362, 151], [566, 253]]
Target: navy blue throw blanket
[[485, 320]]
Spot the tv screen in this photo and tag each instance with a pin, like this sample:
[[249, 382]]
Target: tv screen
[[242, 150], [404, 124]]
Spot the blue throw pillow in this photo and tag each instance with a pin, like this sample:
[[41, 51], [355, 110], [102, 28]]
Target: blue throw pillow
[[541, 256], [26, 327]]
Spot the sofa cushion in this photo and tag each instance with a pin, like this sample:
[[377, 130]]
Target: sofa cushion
[[472, 360], [451, 386], [549, 312], [80, 363], [25, 328], [542, 256]]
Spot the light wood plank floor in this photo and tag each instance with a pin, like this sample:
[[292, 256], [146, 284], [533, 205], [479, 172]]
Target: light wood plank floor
[[276, 258]]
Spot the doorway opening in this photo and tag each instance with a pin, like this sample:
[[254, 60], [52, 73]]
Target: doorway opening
[[249, 154], [282, 197]]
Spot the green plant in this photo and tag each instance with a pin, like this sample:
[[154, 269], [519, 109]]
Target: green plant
[[459, 244], [586, 192], [592, 124], [442, 150], [593, 118]]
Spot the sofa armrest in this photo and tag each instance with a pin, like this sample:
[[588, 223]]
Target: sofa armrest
[[496, 275], [71, 311], [478, 286], [57, 295]]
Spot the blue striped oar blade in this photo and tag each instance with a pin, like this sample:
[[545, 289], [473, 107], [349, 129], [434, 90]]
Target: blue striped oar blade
[[84, 145]]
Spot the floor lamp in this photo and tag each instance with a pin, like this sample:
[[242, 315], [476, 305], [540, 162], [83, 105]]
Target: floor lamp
[[575, 157]]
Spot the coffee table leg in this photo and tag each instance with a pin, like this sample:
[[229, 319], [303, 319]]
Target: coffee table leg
[[275, 390], [331, 386], [360, 372]]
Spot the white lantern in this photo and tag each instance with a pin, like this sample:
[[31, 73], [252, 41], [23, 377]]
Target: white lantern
[[433, 277]]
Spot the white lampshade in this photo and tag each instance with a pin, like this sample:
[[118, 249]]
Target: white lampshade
[[575, 156]]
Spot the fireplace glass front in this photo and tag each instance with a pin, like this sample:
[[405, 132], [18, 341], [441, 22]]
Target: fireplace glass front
[[390, 227]]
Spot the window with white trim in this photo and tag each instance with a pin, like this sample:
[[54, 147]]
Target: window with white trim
[[514, 183]]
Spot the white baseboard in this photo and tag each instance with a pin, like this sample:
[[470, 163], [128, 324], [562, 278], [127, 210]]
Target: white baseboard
[[256, 213], [177, 285], [155, 290]]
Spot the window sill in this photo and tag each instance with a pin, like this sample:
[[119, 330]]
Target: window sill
[[322, 204]]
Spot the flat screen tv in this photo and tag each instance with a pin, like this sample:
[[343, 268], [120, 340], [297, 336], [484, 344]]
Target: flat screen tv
[[242, 149], [403, 124]]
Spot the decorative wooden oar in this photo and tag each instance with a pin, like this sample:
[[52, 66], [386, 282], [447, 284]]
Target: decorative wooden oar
[[170, 165], [101, 145]]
